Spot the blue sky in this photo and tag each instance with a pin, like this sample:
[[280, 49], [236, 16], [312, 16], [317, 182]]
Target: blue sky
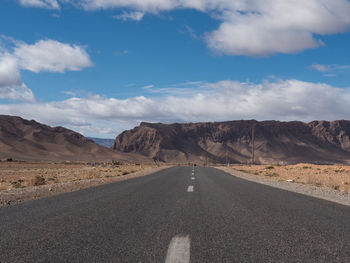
[[102, 66]]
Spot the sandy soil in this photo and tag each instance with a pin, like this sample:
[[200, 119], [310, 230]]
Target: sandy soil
[[336, 177], [23, 181]]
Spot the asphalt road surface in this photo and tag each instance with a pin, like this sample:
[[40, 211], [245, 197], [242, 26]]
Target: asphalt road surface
[[176, 216]]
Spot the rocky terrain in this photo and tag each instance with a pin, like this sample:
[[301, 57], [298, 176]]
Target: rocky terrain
[[336, 177], [29, 140], [275, 142]]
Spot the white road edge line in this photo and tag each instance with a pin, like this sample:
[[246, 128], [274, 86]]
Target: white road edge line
[[179, 250], [190, 188]]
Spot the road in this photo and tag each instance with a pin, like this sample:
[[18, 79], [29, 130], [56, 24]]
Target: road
[[174, 216]]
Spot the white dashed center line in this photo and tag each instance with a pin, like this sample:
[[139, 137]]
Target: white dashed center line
[[192, 178], [179, 250], [190, 188]]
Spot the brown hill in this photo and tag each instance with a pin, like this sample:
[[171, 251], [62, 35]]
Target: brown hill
[[30, 140], [287, 142]]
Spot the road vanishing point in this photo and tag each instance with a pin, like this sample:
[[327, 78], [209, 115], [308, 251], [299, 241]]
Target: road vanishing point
[[179, 214]]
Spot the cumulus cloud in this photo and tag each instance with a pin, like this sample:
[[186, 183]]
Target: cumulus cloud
[[220, 101], [51, 56], [254, 38], [9, 74], [49, 4], [18, 92], [11, 85], [136, 16], [152, 6], [45, 55], [267, 27], [248, 27]]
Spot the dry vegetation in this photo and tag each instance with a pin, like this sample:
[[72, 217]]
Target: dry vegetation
[[23, 174], [333, 176]]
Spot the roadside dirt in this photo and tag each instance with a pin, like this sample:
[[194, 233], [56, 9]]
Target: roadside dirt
[[22, 181], [336, 177]]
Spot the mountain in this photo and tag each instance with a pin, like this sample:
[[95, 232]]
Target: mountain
[[102, 141], [275, 142], [30, 140]]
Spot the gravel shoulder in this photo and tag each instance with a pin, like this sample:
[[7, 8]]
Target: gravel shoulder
[[19, 195], [310, 190]]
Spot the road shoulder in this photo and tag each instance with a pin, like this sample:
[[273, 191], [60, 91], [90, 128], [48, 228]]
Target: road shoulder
[[20, 195], [310, 190]]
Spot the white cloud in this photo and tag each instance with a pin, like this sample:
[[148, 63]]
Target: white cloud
[[11, 85], [9, 74], [328, 68], [45, 55], [51, 56], [248, 27], [148, 87], [49, 4], [256, 39], [136, 16], [321, 68], [152, 6], [92, 131], [220, 101], [18, 92], [260, 28]]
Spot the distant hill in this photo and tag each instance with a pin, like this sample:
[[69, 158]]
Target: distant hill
[[30, 140], [275, 142], [104, 142]]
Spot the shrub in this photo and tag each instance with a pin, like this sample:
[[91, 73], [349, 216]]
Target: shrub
[[17, 184], [39, 180], [269, 167], [336, 187]]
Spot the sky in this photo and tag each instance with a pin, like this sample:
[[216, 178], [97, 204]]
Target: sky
[[102, 66]]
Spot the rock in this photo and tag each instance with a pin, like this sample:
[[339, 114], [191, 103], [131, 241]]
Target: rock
[[275, 142], [23, 139]]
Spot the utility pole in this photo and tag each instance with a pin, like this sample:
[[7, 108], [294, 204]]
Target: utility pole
[[226, 156], [253, 142]]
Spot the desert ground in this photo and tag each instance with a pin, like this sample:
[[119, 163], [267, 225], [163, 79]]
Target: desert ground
[[23, 181], [336, 177]]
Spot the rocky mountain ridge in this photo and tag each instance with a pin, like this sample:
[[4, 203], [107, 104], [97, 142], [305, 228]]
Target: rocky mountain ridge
[[275, 141], [30, 140]]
